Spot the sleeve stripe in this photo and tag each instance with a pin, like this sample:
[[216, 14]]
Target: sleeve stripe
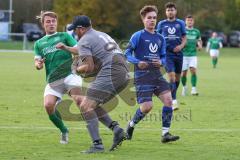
[[37, 57]]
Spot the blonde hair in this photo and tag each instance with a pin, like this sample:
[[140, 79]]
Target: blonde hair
[[46, 13]]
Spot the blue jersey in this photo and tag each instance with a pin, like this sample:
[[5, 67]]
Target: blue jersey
[[146, 46], [172, 31]]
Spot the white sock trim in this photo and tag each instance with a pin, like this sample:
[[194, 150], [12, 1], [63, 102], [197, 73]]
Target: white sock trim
[[131, 124], [164, 130]]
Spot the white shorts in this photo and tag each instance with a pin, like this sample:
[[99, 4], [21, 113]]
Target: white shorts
[[214, 52], [62, 86], [189, 62]]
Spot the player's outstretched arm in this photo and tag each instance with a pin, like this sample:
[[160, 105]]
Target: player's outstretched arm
[[72, 50]]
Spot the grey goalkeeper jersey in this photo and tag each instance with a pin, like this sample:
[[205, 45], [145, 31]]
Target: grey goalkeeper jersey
[[100, 46]]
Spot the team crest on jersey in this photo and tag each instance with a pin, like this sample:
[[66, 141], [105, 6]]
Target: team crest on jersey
[[153, 47], [171, 30]]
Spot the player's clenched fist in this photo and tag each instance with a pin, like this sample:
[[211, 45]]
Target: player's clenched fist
[[61, 46], [39, 63], [142, 65]]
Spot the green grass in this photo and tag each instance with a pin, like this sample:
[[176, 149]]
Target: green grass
[[16, 45], [208, 124]]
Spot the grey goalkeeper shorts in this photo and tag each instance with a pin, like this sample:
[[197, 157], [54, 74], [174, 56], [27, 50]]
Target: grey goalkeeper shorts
[[110, 80]]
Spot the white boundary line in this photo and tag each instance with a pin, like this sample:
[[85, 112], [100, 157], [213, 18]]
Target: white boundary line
[[16, 51], [141, 129]]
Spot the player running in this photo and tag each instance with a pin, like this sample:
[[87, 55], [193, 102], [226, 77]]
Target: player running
[[58, 63], [147, 51], [213, 46], [173, 30], [194, 42], [100, 54]]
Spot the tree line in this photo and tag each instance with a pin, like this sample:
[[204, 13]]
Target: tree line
[[120, 18]]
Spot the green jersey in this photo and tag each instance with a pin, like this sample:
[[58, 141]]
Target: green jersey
[[57, 62], [214, 43], [193, 36]]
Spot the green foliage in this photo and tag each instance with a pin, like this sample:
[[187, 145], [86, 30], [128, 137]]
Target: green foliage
[[121, 18]]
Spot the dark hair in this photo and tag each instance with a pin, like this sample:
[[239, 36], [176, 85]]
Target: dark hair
[[46, 13], [189, 16], [170, 5], [148, 8]]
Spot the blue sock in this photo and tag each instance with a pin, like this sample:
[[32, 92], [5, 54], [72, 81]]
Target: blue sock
[[177, 84], [174, 93], [173, 89], [166, 116], [138, 116]]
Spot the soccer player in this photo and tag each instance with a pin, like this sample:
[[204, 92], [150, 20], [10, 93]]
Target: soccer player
[[174, 32], [100, 54], [147, 51], [58, 69], [194, 42], [213, 46]]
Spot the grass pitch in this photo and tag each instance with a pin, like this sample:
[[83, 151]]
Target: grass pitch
[[208, 124]]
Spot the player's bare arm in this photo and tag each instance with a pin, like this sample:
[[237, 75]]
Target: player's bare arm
[[181, 46], [73, 49], [199, 44]]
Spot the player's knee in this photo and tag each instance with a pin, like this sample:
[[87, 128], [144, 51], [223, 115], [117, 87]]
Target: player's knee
[[193, 71], [172, 78], [86, 106], [49, 106], [184, 74], [167, 101], [146, 108], [178, 76], [77, 100]]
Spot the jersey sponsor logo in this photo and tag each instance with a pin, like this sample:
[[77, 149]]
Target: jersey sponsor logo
[[153, 48], [50, 49], [171, 30]]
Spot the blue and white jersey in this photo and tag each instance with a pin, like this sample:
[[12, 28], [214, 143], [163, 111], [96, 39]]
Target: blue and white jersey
[[146, 46], [172, 31]]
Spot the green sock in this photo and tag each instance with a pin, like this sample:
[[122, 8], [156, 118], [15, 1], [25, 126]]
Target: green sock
[[194, 80], [58, 114], [214, 62], [58, 122], [184, 80]]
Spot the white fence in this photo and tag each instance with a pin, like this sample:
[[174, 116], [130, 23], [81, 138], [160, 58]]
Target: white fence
[[12, 39]]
